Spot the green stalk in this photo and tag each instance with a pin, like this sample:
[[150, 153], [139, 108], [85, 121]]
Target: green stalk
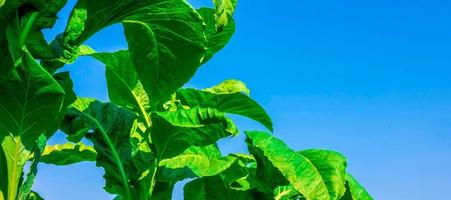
[[116, 157], [27, 28]]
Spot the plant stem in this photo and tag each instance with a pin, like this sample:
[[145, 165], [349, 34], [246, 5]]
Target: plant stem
[[27, 28]]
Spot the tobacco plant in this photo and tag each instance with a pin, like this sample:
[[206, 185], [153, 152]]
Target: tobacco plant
[[153, 133]]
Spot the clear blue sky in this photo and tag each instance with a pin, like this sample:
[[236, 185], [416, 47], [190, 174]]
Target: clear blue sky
[[370, 79]]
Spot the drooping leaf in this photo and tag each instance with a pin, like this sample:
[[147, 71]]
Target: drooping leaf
[[174, 132], [332, 167], [162, 191], [124, 89], [201, 161], [355, 191], [68, 153], [30, 92], [298, 170], [217, 38], [234, 102], [110, 126]]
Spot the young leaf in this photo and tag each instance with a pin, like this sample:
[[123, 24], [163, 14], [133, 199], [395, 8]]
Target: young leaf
[[174, 132], [298, 170], [68, 153], [227, 101], [216, 38], [224, 11]]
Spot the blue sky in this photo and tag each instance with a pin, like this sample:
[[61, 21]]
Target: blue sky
[[370, 79]]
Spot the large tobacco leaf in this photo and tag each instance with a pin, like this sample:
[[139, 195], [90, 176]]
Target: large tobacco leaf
[[295, 168], [332, 167], [173, 132], [124, 88], [108, 127], [158, 33], [228, 97], [30, 92]]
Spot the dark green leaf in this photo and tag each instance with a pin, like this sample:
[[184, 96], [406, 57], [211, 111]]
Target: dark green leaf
[[34, 196], [212, 188], [110, 134], [124, 89], [30, 92]]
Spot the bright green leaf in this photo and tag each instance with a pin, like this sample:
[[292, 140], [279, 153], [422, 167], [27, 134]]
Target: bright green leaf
[[216, 38], [235, 102], [331, 165], [68, 153], [174, 132], [298, 170], [202, 161], [355, 191]]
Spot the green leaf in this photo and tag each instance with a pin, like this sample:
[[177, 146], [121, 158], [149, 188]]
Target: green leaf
[[110, 134], [158, 33], [2, 2], [213, 188], [225, 100], [229, 87], [285, 193], [33, 196], [201, 161], [297, 169], [163, 68], [216, 38], [331, 165], [174, 132], [30, 92], [25, 188], [355, 191], [162, 191], [68, 153], [224, 11], [124, 89]]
